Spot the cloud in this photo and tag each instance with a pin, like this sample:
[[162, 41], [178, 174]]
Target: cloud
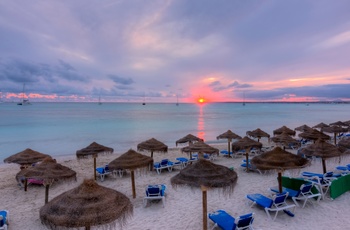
[[217, 86], [121, 80]]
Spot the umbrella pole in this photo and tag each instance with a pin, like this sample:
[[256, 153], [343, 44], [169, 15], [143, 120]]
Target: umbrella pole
[[25, 184], [335, 139], [94, 168], [324, 165], [47, 186], [205, 211], [280, 181], [152, 154], [247, 158], [133, 184], [87, 227], [228, 147]]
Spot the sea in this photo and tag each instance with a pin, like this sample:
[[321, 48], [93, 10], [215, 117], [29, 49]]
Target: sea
[[60, 129]]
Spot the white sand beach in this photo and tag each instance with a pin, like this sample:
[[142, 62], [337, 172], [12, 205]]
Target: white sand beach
[[183, 208]]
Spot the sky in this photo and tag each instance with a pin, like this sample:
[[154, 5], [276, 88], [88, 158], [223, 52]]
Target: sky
[[175, 50]]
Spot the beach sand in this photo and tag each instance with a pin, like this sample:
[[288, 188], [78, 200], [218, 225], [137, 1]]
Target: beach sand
[[183, 207]]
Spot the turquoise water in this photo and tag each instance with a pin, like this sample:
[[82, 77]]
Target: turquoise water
[[62, 128]]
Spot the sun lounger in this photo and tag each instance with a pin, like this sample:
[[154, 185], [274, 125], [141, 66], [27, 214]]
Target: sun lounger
[[250, 167], [276, 204], [227, 222], [155, 192], [4, 219], [303, 194], [322, 181], [164, 164], [103, 171]]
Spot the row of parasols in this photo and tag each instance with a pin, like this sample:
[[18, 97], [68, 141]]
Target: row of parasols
[[49, 171]]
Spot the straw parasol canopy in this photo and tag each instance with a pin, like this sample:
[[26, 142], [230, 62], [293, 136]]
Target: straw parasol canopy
[[229, 135], [26, 157], [320, 126], [152, 145], [321, 149], [48, 171], [188, 138], [339, 123], [205, 174], [334, 129], [87, 205], [258, 133], [280, 160], [347, 122], [93, 150], [303, 128], [247, 144], [314, 134], [345, 142], [285, 140], [200, 148], [131, 160], [284, 129]]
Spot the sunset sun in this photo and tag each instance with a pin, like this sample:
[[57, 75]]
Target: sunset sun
[[201, 100]]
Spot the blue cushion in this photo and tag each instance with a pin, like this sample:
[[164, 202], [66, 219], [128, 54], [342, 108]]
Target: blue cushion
[[261, 200], [224, 220], [100, 170]]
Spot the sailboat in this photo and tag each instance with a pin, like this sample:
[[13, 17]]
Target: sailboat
[[243, 99], [24, 101], [144, 100], [1, 98], [99, 100], [177, 100]]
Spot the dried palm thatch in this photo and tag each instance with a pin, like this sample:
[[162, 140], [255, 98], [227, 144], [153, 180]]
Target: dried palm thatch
[[229, 135], [26, 157], [131, 160], [334, 129], [189, 138], [284, 129], [285, 140], [258, 133], [280, 160], [321, 149], [320, 126], [303, 128], [246, 144], [152, 145], [339, 123], [205, 174], [48, 171], [87, 205], [200, 148], [345, 142], [314, 135], [93, 150]]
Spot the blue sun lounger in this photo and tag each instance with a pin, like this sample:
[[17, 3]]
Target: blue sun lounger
[[4, 220], [227, 222]]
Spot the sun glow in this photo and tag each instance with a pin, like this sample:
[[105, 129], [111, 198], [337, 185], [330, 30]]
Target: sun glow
[[201, 100]]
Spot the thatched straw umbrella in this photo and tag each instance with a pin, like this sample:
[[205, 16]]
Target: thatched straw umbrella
[[334, 129], [320, 126], [321, 149], [152, 145], [284, 139], [26, 157], [339, 123], [284, 129], [200, 148], [303, 128], [280, 160], [314, 135], [205, 174], [347, 122], [229, 135], [258, 133], [345, 142], [131, 160], [48, 171], [189, 138], [247, 144], [87, 205], [93, 150]]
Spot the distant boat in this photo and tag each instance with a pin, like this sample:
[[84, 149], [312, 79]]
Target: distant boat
[[24, 101], [99, 100], [177, 100], [243, 99], [144, 100], [1, 98]]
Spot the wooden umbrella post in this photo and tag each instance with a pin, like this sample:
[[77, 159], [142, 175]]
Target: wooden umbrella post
[[133, 184], [324, 165], [247, 158], [94, 168], [280, 181], [25, 184], [228, 147], [205, 211], [47, 187]]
